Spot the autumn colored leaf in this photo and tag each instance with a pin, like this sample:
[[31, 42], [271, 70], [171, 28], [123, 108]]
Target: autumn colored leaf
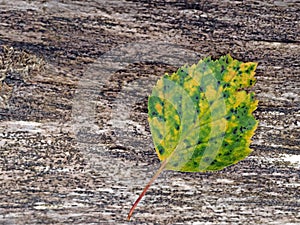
[[201, 116]]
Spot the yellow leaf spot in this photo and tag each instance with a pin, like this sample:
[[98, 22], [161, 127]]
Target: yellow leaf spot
[[158, 108], [228, 76], [239, 98], [210, 93]]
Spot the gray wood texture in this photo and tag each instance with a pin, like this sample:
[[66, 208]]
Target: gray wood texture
[[75, 145]]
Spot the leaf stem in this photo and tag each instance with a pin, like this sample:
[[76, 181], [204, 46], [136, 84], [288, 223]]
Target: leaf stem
[[161, 168]]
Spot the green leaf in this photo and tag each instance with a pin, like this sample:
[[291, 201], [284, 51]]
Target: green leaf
[[201, 116]]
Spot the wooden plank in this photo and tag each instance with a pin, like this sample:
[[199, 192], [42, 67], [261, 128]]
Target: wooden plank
[[75, 145]]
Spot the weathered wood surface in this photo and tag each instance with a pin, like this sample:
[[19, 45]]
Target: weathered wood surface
[[75, 146]]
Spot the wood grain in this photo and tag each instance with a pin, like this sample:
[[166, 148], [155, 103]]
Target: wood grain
[[75, 145]]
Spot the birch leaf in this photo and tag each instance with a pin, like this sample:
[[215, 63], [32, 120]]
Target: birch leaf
[[201, 116]]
